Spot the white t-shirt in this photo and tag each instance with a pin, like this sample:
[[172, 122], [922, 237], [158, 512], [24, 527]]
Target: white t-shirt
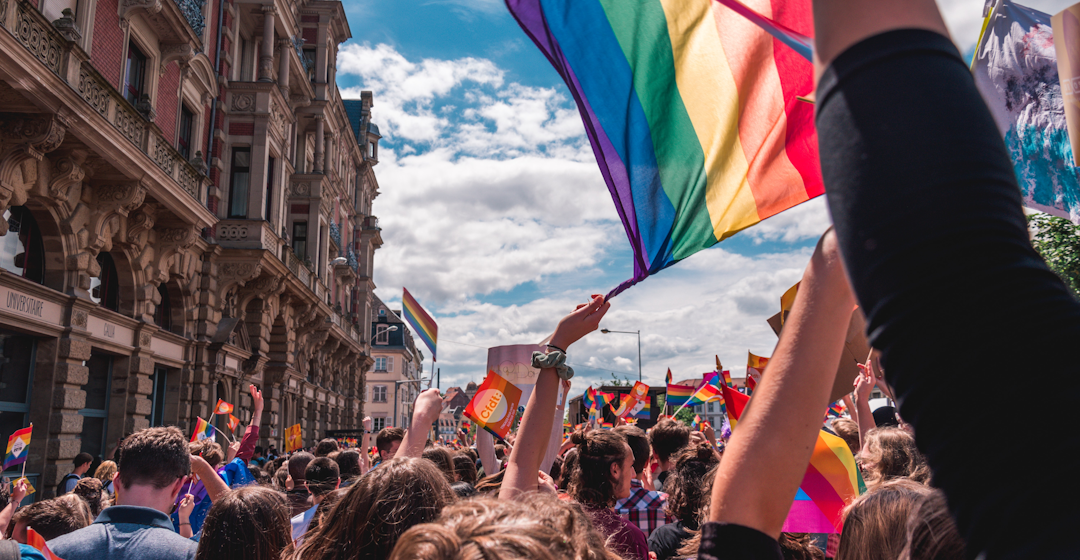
[[300, 524]]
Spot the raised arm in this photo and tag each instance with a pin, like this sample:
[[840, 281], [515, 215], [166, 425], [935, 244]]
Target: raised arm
[[215, 486], [425, 411], [769, 450], [485, 448], [18, 492], [864, 383], [556, 429], [365, 442], [534, 433], [251, 435]]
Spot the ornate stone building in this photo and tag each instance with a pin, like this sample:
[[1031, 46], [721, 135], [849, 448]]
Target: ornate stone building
[[141, 281]]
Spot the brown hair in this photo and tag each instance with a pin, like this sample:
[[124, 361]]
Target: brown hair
[[322, 476], [297, 464], [377, 509], [326, 446], [387, 436], [443, 459], [465, 467], [55, 517], [639, 443], [890, 453], [348, 462], [569, 463], [156, 456], [491, 484], [689, 483], [535, 526], [848, 431], [90, 490], [207, 449], [876, 522], [250, 523], [591, 483], [105, 472], [931, 531], [325, 506], [667, 437], [799, 546], [281, 478]]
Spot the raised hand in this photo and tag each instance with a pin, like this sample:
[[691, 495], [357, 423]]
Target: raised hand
[[582, 321]]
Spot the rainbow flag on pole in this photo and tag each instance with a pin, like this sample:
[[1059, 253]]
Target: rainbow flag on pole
[[679, 395], [421, 322], [589, 400], [203, 430], [692, 113], [18, 447]]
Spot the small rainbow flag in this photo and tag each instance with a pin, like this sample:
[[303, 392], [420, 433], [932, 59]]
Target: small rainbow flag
[[421, 322], [667, 380], [707, 392], [607, 426], [727, 378], [696, 423], [234, 423], [223, 408], [589, 400], [18, 447], [679, 395], [604, 399], [831, 482], [691, 111], [37, 541], [203, 430]]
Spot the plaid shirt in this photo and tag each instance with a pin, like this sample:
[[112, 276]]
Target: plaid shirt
[[644, 508]]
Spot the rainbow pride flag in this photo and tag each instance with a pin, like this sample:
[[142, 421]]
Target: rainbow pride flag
[[692, 114], [421, 322], [203, 430], [668, 378], [696, 423], [727, 378], [18, 447], [643, 411], [679, 395], [589, 399], [832, 481], [37, 541], [603, 399]]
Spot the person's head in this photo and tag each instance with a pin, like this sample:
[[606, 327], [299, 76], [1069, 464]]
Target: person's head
[[639, 444], [297, 464], [848, 430], [463, 489], [444, 459], [348, 462], [257, 453], [605, 468], [209, 450], [500, 451], [885, 417], [249, 523], [569, 463], [377, 509], [875, 524], [92, 492], [931, 532], [491, 484], [890, 453], [667, 437], [690, 481], [152, 464], [388, 441], [281, 478], [321, 476], [799, 546], [51, 518], [105, 472], [82, 463], [465, 468], [326, 447], [536, 526]]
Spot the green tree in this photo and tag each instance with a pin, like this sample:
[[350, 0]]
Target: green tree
[[1058, 241], [686, 416], [615, 381]]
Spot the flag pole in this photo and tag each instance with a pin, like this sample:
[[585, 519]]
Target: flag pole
[[222, 433], [678, 410]]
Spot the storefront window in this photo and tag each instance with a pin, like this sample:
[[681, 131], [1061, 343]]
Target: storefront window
[[163, 313], [16, 379], [22, 250], [96, 413], [157, 402]]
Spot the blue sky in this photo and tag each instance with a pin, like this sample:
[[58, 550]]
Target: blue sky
[[496, 218]]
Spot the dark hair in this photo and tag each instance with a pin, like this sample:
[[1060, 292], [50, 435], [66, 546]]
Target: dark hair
[[249, 523], [387, 436], [258, 450], [799, 546], [90, 490], [281, 477], [326, 447], [667, 437], [639, 444], [322, 476], [298, 463], [500, 451], [83, 458], [384, 503], [688, 483], [5, 493], [55, 517], [324, 508], [156, 456], [591, 483], [876, 522], [463, 489], [443, 459], [491, 484], [209, 450], [348, 462], [465, 467], [569, 464]]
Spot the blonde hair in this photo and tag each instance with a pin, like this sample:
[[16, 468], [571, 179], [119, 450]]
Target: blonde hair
[[105, 472], [536, 527], [875, 524], [890, 453]]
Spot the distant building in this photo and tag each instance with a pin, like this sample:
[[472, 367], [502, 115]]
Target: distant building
[[394, 380], [454, 404]]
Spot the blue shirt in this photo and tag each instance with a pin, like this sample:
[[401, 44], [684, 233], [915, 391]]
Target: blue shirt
[[125, 532]]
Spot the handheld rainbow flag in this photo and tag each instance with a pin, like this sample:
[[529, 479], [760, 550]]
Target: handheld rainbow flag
[[727, 378], [696, 423], [234, 423], [421, 322], [223, 408], [667, 379], [18, 447], [37, 541], [643, 411], [679, 395], [589, 400], [793, 39], [831, 482], [691, 111], [294, 438], [495, 405], [607, 426], [203, 430], [603, 399]]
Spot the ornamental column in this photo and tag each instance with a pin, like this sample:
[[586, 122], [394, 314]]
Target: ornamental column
[[320, 143], [266, 60], [284, 46]]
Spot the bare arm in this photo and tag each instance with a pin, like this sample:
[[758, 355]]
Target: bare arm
[[215, 487], [18, 492], [365, 442], [251, 435], [534, 433], [556, 430], [425, 411], [184, 514], [864, 383], [485, 448], [765, 461]]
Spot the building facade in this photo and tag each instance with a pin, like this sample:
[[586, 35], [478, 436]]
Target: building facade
[[187, 210], [393, 382]]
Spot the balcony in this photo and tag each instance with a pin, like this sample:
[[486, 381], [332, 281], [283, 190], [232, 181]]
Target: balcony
[[371, 222], [247, 234]]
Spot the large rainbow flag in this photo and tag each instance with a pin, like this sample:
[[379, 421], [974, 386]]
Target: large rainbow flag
[[421, 322], [832, 481], [691, 110]]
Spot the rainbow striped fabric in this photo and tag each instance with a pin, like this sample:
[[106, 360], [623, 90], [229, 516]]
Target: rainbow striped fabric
[[37, 541], [692, 114], [589, 399], [679, 395], [421, 322], [603, 399], [727, 378], [696, 423], [18, 447], [668, 378], [203, 430], [832, 481]]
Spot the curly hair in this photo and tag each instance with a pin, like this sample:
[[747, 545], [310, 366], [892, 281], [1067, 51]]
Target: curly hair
[[92, 492], [591, 483], [535, 526], [890, 453], [249, 523], [688, 486], [568, 465]]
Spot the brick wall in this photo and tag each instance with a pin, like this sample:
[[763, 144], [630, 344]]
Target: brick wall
[[108, 42], [241, 129], [168, 102], [311, 35]]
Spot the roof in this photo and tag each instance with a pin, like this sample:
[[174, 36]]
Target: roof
[[354, 112]]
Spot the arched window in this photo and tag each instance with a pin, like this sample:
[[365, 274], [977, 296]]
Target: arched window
[[105, 289], [22, 250], [163, 313]]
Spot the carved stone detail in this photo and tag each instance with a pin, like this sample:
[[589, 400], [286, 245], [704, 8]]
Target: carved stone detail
[[78, 318], [243, 102], [40, 135]]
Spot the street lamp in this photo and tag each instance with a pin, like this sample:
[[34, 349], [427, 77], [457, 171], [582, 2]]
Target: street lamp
[[638, 333], [391, 328]]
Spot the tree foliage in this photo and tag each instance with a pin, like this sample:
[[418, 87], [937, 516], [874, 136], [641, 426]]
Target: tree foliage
[[1058, 241]]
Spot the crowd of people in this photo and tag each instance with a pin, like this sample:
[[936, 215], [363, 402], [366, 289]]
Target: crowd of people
[[927, 218]]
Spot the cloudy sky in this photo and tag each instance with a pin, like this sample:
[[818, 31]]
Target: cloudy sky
[[497, 220]]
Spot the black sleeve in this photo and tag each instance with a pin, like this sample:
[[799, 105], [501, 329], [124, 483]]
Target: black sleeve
[[735, 542], [977, 334], [665, 541]]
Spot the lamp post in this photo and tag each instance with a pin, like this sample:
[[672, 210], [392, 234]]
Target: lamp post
[[638, 333]]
